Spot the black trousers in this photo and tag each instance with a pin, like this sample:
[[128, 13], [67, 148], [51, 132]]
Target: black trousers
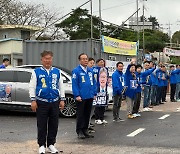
[[99, 112], [173, 91], [137, 102], [164, 91], [83, 115], [47, 122], [159, 95]]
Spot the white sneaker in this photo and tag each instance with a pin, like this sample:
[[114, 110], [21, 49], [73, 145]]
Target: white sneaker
[[52, 149], [42, 149], [135, 115], [145, 109], [149, 109], [99, 122], [104, 122], [138, 115]]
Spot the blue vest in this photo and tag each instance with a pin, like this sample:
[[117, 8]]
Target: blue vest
[[47, 88]]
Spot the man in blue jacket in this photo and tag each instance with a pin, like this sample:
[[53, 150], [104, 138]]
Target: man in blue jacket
[[161, 75], [5, 63], [137, 100], [117, 84], [47, 96], [178, 84], [84, 91], [173, 81], [146, 81]]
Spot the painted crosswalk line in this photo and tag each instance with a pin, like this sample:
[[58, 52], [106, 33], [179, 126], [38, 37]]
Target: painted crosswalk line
[[164, 116], [136, 132]]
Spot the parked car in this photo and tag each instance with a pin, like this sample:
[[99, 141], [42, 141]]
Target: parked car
[[16, 81], [14, 91]]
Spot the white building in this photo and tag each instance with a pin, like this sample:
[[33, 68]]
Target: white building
[[133, 24], [11, 41]]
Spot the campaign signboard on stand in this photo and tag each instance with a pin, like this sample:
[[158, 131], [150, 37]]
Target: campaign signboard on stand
[[101, 76]]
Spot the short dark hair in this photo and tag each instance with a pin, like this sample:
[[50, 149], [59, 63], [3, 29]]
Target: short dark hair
[[79, 57], [146, 62], [171, 66], [98, 60], [45, 53], [138, 66], [119, 63], [133, 65], [5, 59], [90, 59]]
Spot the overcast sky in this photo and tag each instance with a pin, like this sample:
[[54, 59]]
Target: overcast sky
[[117, 11]]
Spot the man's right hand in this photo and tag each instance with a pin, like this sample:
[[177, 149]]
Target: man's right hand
[[79, 99], [34, 106]]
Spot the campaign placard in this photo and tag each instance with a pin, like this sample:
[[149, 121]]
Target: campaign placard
[[5, 92]]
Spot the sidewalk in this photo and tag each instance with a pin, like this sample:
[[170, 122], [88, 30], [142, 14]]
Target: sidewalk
[[166, 107]]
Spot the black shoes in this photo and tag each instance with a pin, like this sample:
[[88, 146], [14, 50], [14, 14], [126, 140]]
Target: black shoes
[[81, 135], [87, 135]]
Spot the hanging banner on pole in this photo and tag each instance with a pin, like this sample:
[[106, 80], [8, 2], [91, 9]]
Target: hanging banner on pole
[[115, 46], [171, 52]]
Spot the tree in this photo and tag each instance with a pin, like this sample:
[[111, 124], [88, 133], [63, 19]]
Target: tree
[[176, 37], [77, 26], [154, 21], [154, 40], [18, 13]]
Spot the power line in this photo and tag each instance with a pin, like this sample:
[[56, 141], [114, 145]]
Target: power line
[[60, 18], [112, 7]]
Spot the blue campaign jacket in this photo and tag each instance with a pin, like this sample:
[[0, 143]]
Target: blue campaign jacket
[[154, 79], [2, 66], [139, 82], [83, 84], [117, 79], [160, 74], [47, 88], [128, 76], [146, 80]]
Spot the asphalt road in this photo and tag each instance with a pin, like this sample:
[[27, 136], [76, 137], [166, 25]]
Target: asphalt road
[[146, 134]]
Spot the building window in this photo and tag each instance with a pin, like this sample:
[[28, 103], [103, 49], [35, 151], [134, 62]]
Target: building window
[[5, 35], [25, 35]]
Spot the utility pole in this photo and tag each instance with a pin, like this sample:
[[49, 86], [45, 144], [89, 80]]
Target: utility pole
[[137, 7], [100, 33], [143, 30], [91, 6]]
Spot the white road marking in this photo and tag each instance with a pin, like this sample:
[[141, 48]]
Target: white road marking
[[178, 109], [164, 116], [136, 132]]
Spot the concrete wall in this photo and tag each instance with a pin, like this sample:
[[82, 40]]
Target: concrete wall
[[11, 46]]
